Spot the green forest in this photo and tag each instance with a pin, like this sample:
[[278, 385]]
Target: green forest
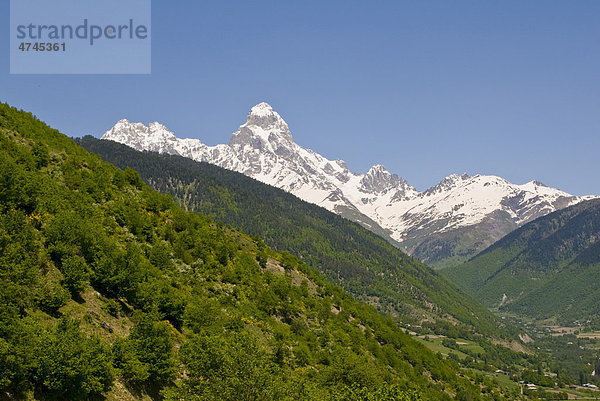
[[547, 269]]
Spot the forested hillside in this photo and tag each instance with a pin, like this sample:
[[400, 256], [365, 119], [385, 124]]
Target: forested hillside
[[358, 260], [111, 291], [548, 268]]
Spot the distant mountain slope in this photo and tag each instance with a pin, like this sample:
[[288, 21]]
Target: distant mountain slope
[[548, 268], [360, 261], [444, 225]]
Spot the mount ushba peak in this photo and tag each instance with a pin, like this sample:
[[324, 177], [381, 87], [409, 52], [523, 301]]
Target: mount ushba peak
[[436, 225]]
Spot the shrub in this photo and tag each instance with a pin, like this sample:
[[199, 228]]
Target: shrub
[[70, 365], [75, 271]]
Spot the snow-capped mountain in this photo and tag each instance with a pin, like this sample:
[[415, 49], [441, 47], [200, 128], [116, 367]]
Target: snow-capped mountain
[[445, 224]]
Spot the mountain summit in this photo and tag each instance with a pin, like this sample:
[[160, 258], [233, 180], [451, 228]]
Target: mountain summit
[[379, 180], [262, 115], [264, 130], [437, 226]]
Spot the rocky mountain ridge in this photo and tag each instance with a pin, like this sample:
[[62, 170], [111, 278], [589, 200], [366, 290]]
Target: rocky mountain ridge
[[437, 226]]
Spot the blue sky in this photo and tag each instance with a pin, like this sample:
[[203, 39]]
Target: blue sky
[[426, 88]]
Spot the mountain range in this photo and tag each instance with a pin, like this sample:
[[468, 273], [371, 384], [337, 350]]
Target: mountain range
[[142, 299], [442, 226]]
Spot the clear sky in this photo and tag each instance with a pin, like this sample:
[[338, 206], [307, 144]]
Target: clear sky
[[426, 88]]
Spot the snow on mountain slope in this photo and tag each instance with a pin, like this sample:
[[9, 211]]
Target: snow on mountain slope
[[436, 225]]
